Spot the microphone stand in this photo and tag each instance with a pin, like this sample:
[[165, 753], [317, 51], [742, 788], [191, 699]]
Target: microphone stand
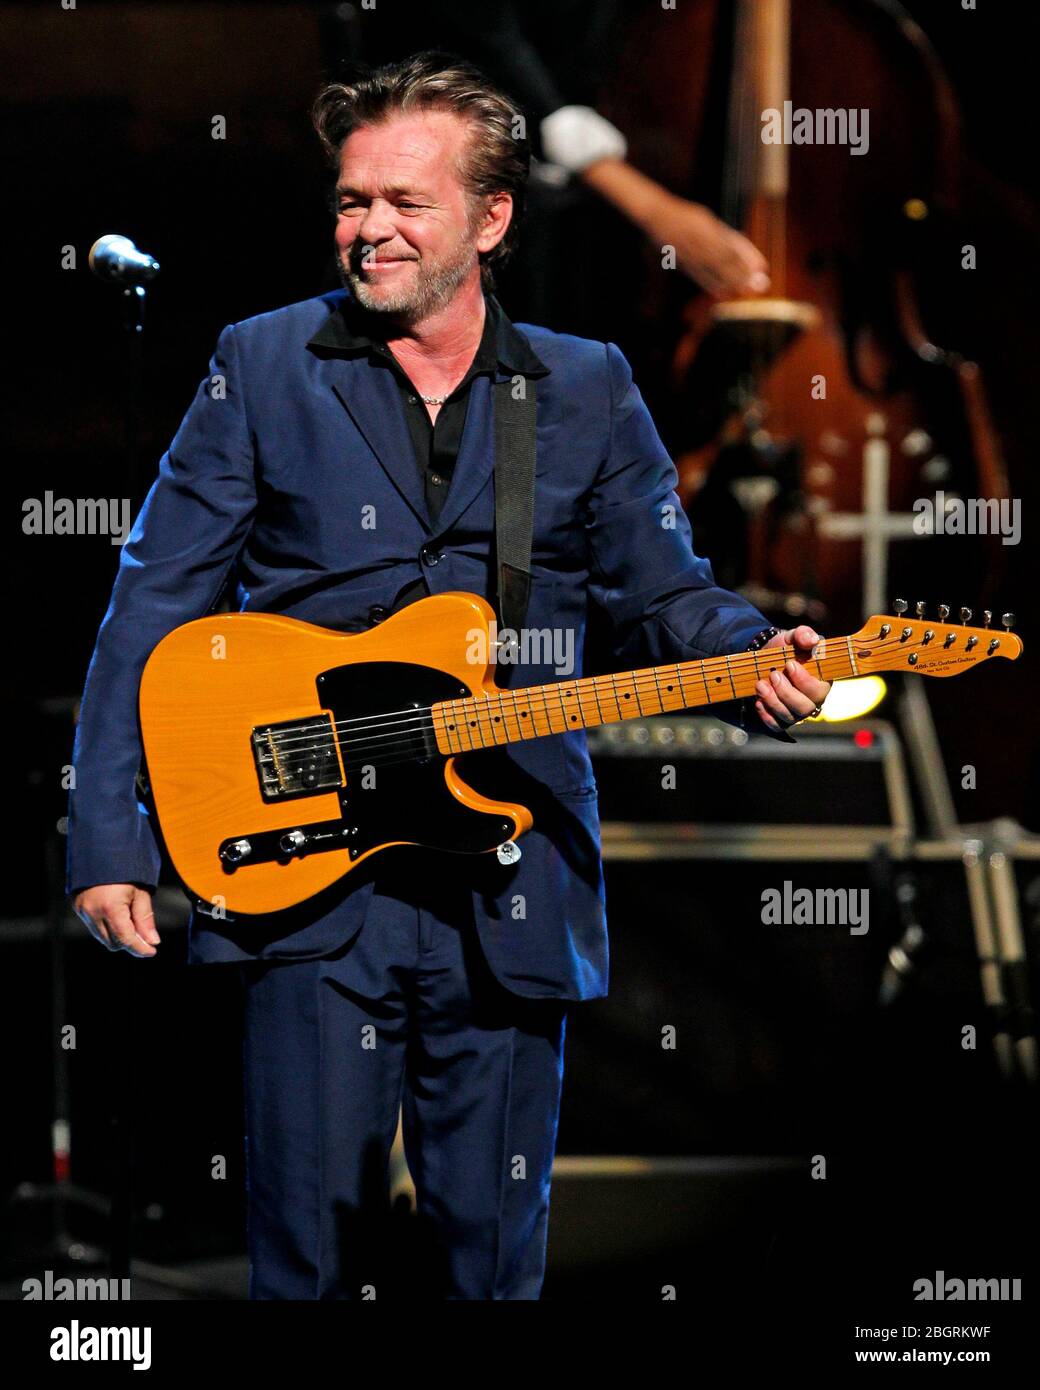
[[134, 298], [61, 1192], [134, 301]]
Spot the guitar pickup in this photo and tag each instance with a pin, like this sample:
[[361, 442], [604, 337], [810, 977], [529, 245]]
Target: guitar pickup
[[298, 757]]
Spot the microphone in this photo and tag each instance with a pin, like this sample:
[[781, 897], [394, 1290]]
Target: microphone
[[116, 259]]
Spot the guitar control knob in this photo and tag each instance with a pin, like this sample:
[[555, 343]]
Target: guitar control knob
[[293, 841], [236, 852]]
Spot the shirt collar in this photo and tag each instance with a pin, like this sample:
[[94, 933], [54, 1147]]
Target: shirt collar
[[349, 329]]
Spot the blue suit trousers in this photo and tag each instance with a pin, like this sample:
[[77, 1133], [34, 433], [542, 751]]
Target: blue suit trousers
[[406, 1015]]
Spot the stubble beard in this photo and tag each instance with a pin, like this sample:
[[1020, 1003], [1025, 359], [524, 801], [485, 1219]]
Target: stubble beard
[[432, 287]]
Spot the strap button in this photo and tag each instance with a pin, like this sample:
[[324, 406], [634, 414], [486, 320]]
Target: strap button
[[377, 614]]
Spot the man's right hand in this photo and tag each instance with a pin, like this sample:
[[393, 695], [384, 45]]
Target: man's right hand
[[120, 916]]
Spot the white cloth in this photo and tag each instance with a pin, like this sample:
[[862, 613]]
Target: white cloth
[[576, 136]]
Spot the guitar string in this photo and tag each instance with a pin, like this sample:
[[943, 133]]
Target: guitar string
[[389, 720], [389, 731], [424, 718], [649, 681]]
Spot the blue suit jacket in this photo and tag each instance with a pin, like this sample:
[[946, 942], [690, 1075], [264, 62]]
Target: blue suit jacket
[[293, 472]]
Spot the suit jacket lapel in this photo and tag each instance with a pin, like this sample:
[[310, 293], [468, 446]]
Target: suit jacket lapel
[[370, 395], [372, 399], [476, 454]]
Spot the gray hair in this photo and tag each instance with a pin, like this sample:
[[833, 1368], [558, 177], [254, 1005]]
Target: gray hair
[[497, 157]]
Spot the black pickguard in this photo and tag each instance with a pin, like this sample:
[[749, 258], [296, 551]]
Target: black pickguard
[[405, 800], [409, 800]]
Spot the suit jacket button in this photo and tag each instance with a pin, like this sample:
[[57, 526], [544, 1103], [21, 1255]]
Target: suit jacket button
[[377, 613]]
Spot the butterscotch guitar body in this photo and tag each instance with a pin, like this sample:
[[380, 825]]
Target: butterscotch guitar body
[[259, 729]]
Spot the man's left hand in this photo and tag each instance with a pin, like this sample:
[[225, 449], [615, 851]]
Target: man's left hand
[[792, 693]]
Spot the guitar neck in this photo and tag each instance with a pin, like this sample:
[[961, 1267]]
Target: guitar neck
[[512, 716]]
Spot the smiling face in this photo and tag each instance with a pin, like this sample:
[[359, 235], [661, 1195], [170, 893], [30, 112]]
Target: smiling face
[[408, 232]]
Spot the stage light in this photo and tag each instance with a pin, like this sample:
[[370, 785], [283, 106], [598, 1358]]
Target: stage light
[[853, 698]]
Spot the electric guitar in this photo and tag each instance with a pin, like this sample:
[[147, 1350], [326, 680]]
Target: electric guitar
[[281, 755]]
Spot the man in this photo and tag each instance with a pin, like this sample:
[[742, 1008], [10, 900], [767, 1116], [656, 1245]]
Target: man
[[338, 460]]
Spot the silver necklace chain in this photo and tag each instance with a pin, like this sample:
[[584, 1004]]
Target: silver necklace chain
[[434, 400]]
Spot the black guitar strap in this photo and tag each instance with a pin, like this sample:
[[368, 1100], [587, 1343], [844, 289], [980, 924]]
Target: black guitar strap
[[515, 418]]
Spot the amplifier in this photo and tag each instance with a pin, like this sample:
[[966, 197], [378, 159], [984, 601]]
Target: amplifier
[[698, 770]]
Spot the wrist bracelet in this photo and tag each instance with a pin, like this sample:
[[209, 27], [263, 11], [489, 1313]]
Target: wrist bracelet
[[766, 635], [756, 644]]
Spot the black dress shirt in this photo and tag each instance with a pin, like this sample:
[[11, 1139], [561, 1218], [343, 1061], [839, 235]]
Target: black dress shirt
[[436, 442]]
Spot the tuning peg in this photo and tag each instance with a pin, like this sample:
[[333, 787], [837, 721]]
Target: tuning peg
[[965, 614], [1008, 620], [919, 608], [988, 616], [944, 612], [900, 605]]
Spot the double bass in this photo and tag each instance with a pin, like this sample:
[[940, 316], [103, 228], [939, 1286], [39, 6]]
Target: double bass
[[808, 422]]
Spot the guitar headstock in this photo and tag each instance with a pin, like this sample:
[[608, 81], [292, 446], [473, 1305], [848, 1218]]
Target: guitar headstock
[[887, 643]]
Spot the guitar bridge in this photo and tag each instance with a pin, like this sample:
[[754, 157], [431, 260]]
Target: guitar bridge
[[296, 758]]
